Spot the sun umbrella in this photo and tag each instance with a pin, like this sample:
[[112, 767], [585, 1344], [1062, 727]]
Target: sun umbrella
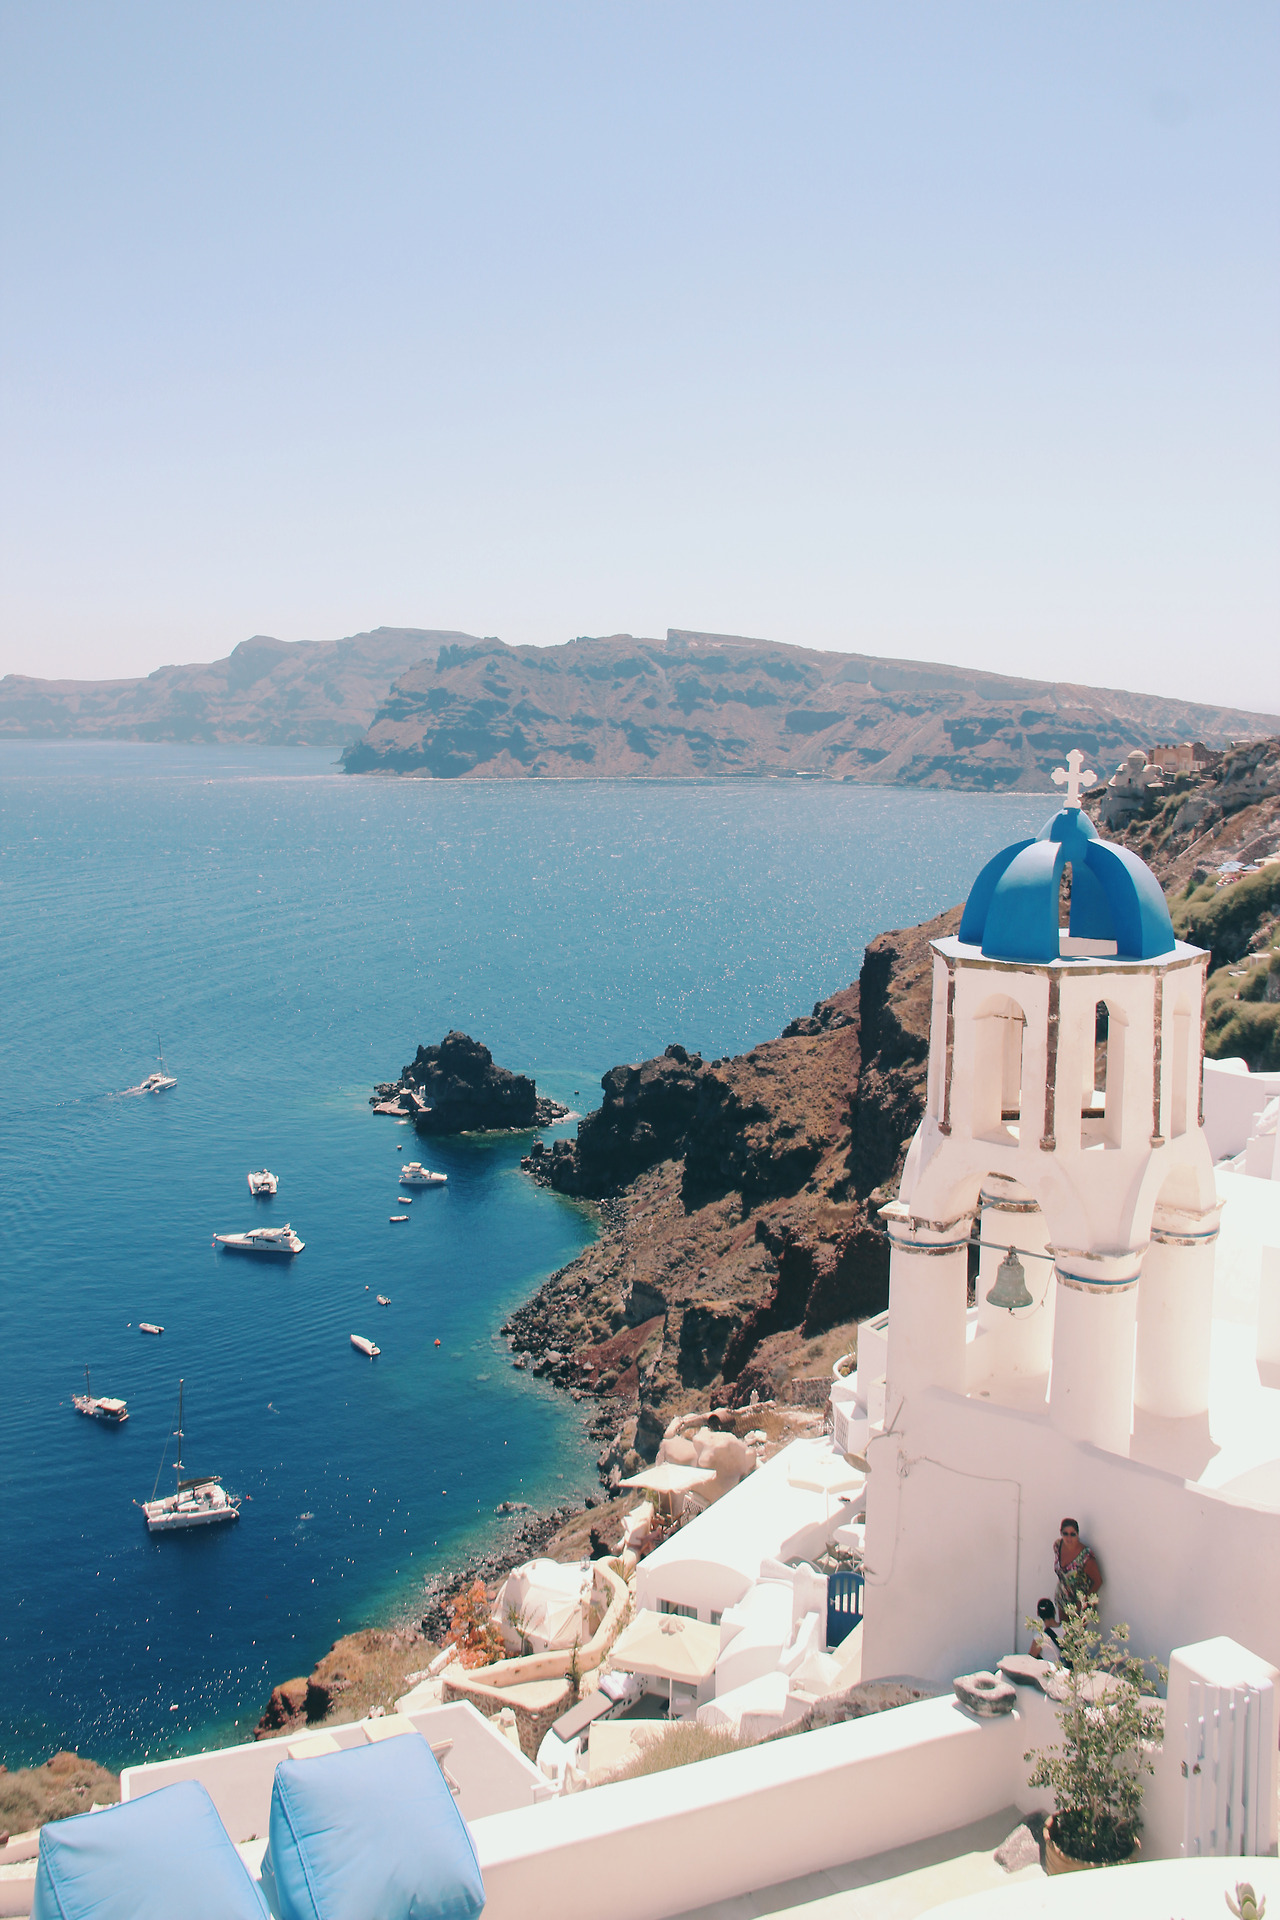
[[670, 1647]]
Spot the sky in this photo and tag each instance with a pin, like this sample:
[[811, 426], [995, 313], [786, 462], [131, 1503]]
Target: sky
[[921, 328]]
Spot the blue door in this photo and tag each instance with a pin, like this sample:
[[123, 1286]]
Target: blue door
[[844, 1605]]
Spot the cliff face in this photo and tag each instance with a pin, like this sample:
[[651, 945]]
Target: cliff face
[[266, 693], [740, 1201], [1214, 842], [697, 705]]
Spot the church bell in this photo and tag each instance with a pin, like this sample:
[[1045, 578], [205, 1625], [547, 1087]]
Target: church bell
[[1010, 1289]]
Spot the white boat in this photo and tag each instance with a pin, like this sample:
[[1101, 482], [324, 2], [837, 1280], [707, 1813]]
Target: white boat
[[157, 1082], [383, 1300], [201, 1502], [261, 1180], [149, 1326], [112, 1413], [279, 1243], [362, 1345], [414, 1174], [397, 1218]]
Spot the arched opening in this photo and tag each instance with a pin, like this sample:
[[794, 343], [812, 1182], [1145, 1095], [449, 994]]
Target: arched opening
[[1180, 1073], [1101, 1111], [999, 1032]]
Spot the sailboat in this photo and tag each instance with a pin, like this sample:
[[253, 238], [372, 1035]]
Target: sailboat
[[193, 1503], [112, 1413]]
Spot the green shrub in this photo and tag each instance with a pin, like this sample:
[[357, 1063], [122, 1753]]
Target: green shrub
[[1225, 918], [1244, 1029], [1095, 1773]]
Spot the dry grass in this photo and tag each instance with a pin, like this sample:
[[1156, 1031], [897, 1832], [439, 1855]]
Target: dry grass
[[682, 1745], [64, 1785], [367, 1670]]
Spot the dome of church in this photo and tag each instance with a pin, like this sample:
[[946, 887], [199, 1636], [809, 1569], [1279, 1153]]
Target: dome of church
[[1012, 909]]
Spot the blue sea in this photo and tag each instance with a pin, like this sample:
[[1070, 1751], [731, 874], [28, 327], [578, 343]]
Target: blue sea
[[291, 935]]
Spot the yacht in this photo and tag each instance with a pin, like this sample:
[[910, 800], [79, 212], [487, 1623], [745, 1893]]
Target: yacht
[[262, 1181], [281, 1243], [362, 1345], [200, 1502], [112, 1413], [414, 1174]]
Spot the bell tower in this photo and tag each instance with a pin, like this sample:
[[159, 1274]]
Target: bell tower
[[1063, 1109]]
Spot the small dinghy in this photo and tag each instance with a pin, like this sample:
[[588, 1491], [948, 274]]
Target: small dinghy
[[383, 1300], [362, 1345], [146, 1326]]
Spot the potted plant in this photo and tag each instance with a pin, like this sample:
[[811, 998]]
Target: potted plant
[[1108, 1731]]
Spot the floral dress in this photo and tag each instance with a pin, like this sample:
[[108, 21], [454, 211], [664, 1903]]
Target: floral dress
[[1073, 1585]]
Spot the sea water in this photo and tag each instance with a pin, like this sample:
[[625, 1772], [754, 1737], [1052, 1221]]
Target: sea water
[[292, 934]]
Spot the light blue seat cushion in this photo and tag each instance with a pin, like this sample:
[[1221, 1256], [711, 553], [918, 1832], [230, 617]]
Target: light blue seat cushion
[[156, 1858], [371, 1831]]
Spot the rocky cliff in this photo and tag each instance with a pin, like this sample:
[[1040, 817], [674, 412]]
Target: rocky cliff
[[739, 1206], [701, 705], [266, 693]]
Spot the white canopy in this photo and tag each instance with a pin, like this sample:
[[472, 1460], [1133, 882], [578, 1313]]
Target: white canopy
[[668, 1646], [670, 1477], [828, 1473]]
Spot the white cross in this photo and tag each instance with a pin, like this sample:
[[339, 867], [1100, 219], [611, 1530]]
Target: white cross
[[1073, 780]]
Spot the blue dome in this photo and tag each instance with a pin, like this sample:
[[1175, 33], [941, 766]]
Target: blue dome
[[1012, 909]]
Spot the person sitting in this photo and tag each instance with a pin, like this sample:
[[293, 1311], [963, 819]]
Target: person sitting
[[1079, 1575], [1046, 1645]]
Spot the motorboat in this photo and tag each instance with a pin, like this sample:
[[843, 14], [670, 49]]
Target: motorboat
[[149, 1326], [362, 1345], [397, 1218], [279, 1243], [383, 1300], [199, 1502], [414, 1174], [112, 1413], [261, 1180]]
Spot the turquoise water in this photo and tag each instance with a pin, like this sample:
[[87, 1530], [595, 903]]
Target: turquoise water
[[293, 934]]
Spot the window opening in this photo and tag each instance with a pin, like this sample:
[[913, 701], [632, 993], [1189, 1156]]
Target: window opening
[[1103, 1092]]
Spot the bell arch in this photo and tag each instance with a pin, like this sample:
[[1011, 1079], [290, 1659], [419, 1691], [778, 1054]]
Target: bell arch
[[999, 1052]]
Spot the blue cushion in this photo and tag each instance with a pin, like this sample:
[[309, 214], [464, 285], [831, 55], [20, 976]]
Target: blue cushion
[[150, 1859], [370, 1830]]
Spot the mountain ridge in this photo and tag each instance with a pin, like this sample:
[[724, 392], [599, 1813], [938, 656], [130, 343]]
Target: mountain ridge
[[699, 706], [266, 692]]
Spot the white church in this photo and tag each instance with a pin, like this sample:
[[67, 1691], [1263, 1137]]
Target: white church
[[1100, 1372]]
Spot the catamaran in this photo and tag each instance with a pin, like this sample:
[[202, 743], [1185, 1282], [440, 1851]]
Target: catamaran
[[156, 1082], [280, 1243], [414, 1174], [201, 1502], [261, 1180], [112, 1413]]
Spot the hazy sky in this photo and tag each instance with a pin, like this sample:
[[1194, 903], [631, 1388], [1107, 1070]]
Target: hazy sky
[[945, 328]]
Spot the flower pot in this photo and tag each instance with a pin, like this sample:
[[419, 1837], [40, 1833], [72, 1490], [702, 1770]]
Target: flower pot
[[1056, 1861]]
